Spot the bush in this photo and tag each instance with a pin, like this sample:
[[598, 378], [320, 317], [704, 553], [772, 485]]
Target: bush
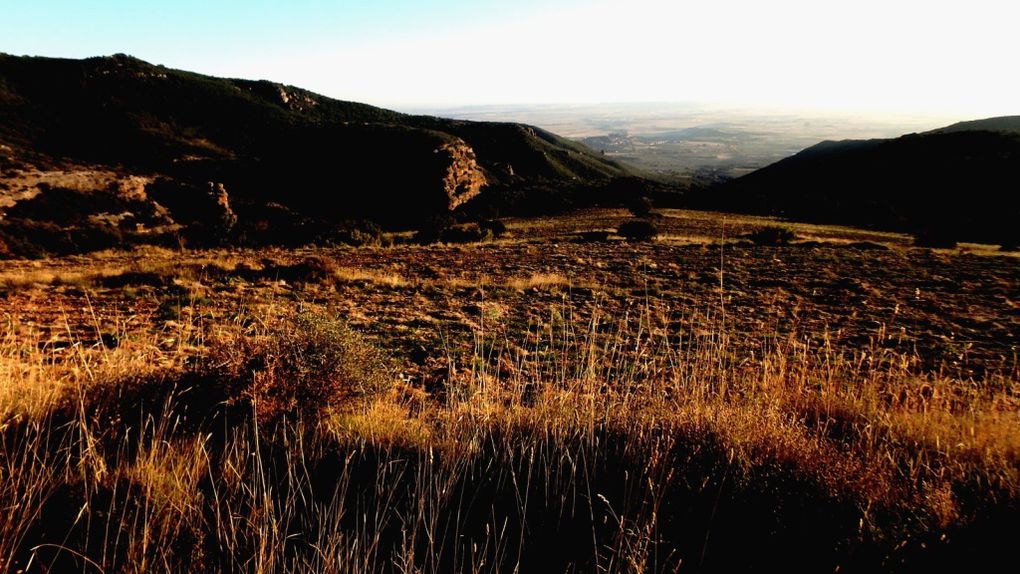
[[31, 238], [442, 229], [935, 238], [640, 206], [469, 233], [771, 235], [638, 230], [356, 233], [310, 365], [431, 230], [314, 269], [495, 226]]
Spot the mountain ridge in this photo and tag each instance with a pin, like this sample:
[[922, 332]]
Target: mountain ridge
[[264, 144], [958, 183]]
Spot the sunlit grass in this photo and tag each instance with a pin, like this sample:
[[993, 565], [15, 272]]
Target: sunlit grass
[[160, 489]]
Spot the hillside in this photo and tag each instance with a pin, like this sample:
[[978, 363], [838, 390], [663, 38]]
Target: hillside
[[1005, 124], [959, 183], [127, 141]]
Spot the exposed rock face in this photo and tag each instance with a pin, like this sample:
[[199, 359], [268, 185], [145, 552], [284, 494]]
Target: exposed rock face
[[225, 216], [294, 100], [464, 178]]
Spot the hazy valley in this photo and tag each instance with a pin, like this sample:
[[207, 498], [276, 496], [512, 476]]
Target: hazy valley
[[698, 141]]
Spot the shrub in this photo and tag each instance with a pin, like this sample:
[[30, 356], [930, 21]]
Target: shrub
[[640, 206], [431, 229], [444, 230], [937, 238], [469, 233], [638, 230], [495, 226], [771, 235], [311, 364], [97, 237], [356, 233], [314, 269]]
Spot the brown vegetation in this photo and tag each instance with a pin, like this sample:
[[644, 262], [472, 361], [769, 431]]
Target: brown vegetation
[[521, 405]]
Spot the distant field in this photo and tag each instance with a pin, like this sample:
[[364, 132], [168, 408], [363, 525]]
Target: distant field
[[550, 403], [694, 140]]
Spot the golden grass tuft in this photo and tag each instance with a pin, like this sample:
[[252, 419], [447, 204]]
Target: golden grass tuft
[[358, 275], [538, 281]]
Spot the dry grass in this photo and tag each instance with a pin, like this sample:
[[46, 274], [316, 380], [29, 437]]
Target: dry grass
[[538, 281], [607, 433], [624, 408], [370, 276]]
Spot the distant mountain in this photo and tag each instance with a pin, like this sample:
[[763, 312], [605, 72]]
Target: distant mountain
[[961, 182], [270, 157]]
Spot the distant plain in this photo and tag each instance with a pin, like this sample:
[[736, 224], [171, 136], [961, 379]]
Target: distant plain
[[687, 140]]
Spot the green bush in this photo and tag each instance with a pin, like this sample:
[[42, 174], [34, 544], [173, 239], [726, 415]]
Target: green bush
[[638, 230]]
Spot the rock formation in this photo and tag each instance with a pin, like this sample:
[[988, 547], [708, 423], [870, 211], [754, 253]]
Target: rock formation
[[464, 178]]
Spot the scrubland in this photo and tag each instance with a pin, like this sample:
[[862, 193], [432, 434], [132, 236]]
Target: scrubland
[[535, 404]]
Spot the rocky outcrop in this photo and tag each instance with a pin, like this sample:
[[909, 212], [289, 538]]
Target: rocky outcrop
[[464, 178], [224, 215], [191, 205]]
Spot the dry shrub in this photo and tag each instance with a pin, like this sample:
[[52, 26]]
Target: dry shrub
[[309, 365], [638, 230], [313, 269], [355, 233], [467, 233], [771, 235]]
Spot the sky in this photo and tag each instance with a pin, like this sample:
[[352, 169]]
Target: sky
[[870, 56]]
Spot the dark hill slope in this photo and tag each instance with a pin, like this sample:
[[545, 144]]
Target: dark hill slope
[[125, 111], [955, 183], [264, 145], [1006, 124]]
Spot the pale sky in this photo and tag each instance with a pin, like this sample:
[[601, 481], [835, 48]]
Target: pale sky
[[955, 58]]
